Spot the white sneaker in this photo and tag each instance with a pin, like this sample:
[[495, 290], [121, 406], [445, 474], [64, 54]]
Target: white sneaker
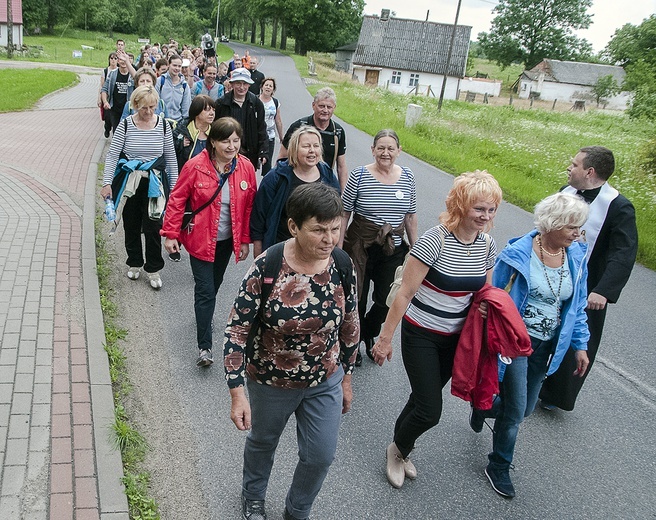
[[155, 280], [133, 272]]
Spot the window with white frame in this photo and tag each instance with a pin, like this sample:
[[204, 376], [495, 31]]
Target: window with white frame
[[396, 77], [414, 80]]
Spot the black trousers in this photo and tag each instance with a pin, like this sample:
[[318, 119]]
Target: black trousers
[[136, 222], [380, 271], [428, 361], [562, 387]]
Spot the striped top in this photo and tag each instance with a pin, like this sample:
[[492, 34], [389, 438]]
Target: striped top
[[143, 145], [381, 203], [456, 272]]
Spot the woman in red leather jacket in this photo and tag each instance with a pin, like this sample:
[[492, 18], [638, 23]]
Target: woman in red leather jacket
[[216, 230]]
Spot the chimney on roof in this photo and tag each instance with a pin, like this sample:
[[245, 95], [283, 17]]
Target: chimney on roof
[[384, 15]]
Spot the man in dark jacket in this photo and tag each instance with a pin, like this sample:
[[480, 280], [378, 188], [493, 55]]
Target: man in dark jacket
[[246, 108], [256, 76], [612, 238]]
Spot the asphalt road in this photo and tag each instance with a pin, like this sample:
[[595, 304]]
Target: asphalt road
[[596, 462]]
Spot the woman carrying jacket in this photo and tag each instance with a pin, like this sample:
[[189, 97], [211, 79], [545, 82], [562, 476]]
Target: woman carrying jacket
[[547, 273], [219, 229]]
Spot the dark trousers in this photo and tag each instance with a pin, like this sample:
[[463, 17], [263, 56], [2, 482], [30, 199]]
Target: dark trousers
[[267, 166], [428, 361], [136, 222], [562, 387], [114, 118], [380, 271], [208, 277]]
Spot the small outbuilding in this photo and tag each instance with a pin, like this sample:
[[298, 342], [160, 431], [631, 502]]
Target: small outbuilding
[[410, 56], [17, 18], [570, 81], [344, 57]]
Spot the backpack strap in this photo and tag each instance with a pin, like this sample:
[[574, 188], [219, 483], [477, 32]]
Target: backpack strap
[[345, 269]]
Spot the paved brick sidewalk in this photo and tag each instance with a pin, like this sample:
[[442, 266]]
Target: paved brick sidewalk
[[55, 394]]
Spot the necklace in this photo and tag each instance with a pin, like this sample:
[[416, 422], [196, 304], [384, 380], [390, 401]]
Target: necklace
[[468, 246], [555, 294], [543, 250]]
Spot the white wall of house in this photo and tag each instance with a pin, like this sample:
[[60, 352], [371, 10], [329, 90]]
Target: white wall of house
[[18, 34], [491, 87], [569, 93], [403, 81]]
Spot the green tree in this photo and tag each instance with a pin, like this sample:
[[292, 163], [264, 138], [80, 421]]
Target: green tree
[[528, 31], [605, 87], [633, 47]]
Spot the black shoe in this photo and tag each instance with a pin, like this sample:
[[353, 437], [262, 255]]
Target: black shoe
[[289, 516], [500, 481], [175, 256], [368, 345], [205, 358], [358, 358], [476, 420], [106, 133], [252, 509]]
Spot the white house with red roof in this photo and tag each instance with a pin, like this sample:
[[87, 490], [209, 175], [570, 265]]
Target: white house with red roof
[[17, 18]]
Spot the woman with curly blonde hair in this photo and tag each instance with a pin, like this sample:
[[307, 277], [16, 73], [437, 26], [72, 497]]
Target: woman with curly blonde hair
[[446, 266]]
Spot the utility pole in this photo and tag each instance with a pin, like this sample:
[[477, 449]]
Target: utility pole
[[10, 30], [448, 58]]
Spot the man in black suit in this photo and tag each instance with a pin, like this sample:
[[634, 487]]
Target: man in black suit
[[256, 76], [612, 238]]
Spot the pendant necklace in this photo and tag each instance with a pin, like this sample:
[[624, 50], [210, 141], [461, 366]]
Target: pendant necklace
[[555, 294]]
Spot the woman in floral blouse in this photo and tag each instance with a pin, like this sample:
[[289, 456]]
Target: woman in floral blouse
[[303, 353]]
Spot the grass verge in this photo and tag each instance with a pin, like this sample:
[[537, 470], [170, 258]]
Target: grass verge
[[21, 89], [127, 439]]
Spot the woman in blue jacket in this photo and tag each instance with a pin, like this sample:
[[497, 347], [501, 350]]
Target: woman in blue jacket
[[304, 165], [545, 272]]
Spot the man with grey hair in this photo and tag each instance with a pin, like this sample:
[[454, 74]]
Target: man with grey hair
[[612, 239], [333, 137]]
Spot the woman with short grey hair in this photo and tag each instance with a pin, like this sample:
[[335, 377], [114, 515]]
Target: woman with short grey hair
[[545, 273]]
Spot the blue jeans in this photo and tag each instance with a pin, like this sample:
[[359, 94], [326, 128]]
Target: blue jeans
[[208, 277], [318, 412], [519, 394]]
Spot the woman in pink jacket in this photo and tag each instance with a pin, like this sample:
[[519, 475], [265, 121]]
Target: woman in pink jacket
[[219, 225]]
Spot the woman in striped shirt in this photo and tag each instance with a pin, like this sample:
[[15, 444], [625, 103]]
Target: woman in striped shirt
[[382, 196], [447, 265]]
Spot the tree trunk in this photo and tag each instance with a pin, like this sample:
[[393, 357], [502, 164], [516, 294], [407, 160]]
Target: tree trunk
[[274, 33], [283, 37], [10, 30], [245, 38], [262, 30], [253, 29]]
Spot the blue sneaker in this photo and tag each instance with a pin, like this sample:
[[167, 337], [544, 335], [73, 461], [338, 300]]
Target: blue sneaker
[[500, 481]]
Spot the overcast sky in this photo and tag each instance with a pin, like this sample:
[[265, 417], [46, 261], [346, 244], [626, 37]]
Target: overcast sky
[[608, 15]]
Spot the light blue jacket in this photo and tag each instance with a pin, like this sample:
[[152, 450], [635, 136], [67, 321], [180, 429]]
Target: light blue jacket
[[177, 98], [516, 257]]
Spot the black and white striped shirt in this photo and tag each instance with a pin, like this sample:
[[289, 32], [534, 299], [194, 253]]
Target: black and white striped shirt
[[380, 203], [456, 272], [143, 145]]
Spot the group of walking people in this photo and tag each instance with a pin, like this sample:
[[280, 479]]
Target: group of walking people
[[328, 246]]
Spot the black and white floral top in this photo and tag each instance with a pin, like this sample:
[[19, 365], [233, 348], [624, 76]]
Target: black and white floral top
[[307, 330]]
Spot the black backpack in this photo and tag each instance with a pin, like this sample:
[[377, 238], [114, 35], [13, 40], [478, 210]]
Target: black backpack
[[272, 266]]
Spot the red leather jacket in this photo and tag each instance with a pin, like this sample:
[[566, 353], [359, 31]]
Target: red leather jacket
[[475, 375], [197, 183]]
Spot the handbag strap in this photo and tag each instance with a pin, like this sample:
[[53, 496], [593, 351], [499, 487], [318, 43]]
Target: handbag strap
[[222, 179]]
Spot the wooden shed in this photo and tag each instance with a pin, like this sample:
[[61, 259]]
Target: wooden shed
[[410, 55]]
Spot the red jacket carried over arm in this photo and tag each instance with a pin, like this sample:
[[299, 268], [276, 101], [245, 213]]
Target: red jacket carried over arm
[[475, 367]]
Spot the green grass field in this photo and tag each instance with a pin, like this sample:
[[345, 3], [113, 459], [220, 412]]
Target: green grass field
[[21, 89]]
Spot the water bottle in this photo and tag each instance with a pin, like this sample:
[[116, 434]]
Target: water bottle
[[110, 212], [503, 363]]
